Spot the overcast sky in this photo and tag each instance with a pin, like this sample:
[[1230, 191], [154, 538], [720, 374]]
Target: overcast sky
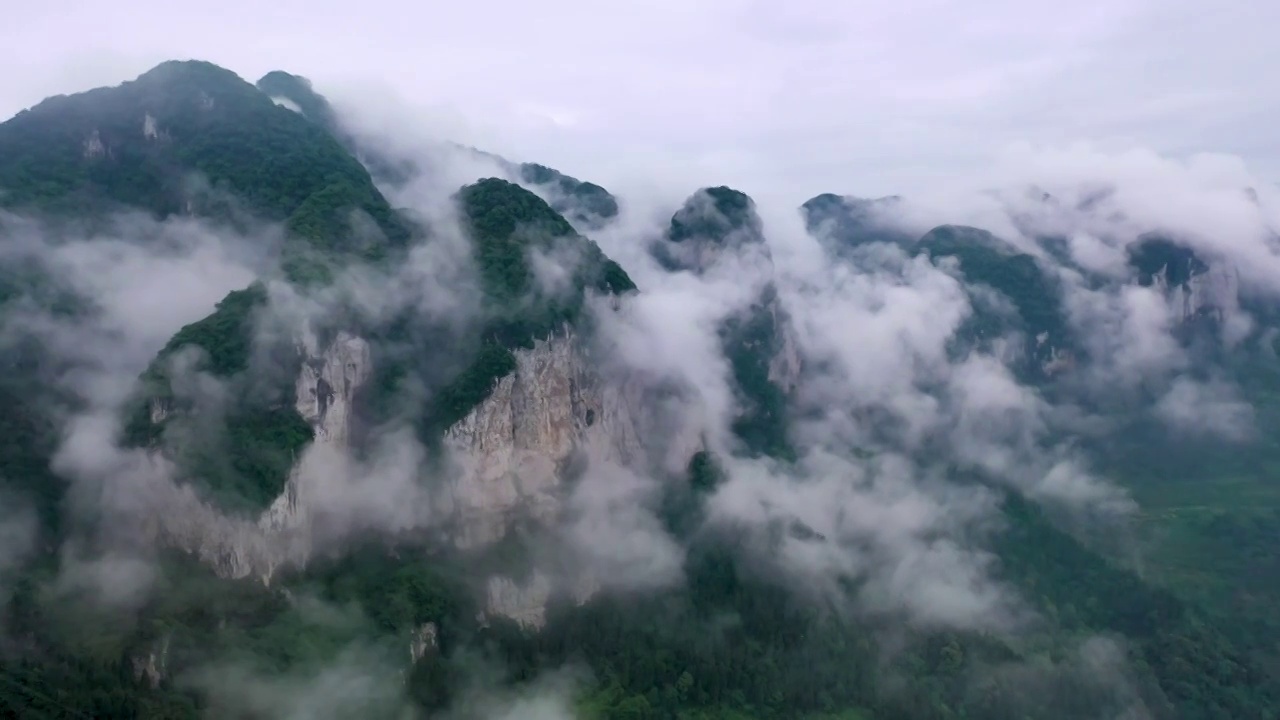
[[798, 97]]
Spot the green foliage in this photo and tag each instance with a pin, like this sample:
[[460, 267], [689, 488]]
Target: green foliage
[[506, 224], [226, 336], [323, 218], [469, 388], [135, 145], [750, 341], [398, 592], [713, 213], [69, 687], [249, 467], [226, 339], [705, 474], [583, 202], [28, 438], [844, 223], [77, 661], [1197, 667], [682, 509], [985, 260], [1016, 276], [299, 91], [244, 465]]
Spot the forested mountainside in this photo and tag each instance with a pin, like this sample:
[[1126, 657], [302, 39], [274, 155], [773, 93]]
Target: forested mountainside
[[284, 438]]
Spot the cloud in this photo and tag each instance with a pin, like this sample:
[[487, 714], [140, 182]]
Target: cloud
[[18, 533], [877, 333], [1212, 407], [136, 281], [1092, 678], [903, 539], [878, 99], [142, 281], [612, 525], [547, 697], [358, 679], [353, 685]]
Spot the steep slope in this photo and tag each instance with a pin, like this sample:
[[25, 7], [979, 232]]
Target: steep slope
[[187, 137], [844, 223], [713, 226], [1188, 485], [509, 418], [296, 93], [1203, 293], [585, 204], [985, 260], [712, 222], [531, 402]]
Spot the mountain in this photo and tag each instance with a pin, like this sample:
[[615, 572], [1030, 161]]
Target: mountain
[[847, 222], [714, 227], [584, 203], [463, 463], [985, 261], [192, 138]]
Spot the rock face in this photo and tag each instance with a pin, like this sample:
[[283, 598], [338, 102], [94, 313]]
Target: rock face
[[712, 222], [512, 451], [154, 667], [1196, 287], [526, 602], [1214, 293], [510, 455], [423, 639], [236, 547], [785, 364]]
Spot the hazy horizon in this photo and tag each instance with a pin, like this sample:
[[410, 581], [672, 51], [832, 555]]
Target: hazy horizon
[[819, 97]]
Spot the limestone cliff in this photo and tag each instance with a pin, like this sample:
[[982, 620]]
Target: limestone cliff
[[509, 459], [785, 364], [1196, 285], [1215, 292], [511, 452], [237, 547], [423, 639], [526, 601]]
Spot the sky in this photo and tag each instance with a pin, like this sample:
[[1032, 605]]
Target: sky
[[792, 98]]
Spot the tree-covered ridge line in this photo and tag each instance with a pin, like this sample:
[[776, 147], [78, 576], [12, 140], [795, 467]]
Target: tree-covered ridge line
[[246, 464], [715, 213], [711, 223], [508, 226], [582, 202], [142, 145]]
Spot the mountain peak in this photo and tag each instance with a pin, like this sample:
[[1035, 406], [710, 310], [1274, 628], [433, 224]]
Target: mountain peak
[[180, 139], [716, 214], [843, 222], [711, 221], [297, 93]]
